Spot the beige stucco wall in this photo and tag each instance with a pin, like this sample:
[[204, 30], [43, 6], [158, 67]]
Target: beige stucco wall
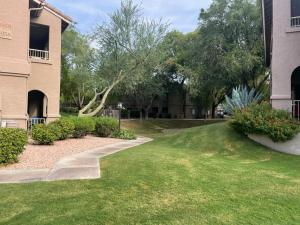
[[18, 73], [13, 52], [45, 75], [13, 96], [14, 65], [285, 54]]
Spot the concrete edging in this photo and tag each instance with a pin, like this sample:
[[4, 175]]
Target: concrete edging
[[290, 147], [84, 165]]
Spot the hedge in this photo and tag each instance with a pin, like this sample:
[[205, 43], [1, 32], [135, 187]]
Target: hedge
[[65, 128], [106, 126], [43, 135], [82, 126], [124, 134], [12, 143], [262, 119]]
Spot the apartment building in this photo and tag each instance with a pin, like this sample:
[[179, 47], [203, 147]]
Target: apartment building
[[30, 62], [282, 52]]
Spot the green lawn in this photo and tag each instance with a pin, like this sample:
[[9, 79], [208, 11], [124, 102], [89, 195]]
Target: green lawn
[[155, 127], [202, 175]]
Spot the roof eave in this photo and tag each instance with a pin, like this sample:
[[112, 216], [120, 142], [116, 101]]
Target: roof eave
[[55, 11]]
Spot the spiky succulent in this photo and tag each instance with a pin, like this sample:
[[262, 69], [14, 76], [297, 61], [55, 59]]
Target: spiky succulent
[[241, 98]]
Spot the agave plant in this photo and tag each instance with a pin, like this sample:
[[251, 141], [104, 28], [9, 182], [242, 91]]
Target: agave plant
[[241, 98]]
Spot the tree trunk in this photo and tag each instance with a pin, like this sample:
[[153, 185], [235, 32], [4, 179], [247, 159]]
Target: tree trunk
[[141, 114], [213, 111], [146, 115], [106, 92]]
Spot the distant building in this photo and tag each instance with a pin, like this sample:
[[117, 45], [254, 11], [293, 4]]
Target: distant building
[[30, 61], [282, 50], [174, 105]]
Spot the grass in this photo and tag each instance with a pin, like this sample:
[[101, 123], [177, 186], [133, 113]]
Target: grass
[[201, 175], [155, 127]]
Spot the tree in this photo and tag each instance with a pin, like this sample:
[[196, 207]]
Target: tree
[[124, 45], [177, 66], [152, 85], [230, 50], [77, 68]]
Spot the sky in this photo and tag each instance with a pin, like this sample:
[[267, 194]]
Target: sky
[[181, 14]]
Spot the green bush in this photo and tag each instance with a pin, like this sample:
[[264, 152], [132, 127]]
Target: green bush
[[106, 126], [124, 134], [65, 127], [82, 126], [262, 119], [56, 130], [12, 142], [43, 135]]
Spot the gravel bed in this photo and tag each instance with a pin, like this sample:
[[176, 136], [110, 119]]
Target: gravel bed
[[44, 157]]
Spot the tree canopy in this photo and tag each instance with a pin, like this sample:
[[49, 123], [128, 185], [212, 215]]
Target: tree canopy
[[136, 57]]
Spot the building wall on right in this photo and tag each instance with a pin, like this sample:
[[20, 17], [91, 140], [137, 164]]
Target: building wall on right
[[285, 54]]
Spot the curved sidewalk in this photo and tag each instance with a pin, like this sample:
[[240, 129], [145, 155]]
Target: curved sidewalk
[[80, 166]]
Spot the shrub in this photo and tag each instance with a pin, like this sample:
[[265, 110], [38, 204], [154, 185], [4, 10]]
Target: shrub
[[82, 126], [105, 126], [56, 130], [12, 142], [43, 135], [124, 134], [66, 127], [262, 119], [241, 98]]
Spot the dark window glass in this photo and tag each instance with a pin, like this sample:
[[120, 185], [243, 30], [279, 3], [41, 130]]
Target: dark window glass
[[39, 37], [295, 8]]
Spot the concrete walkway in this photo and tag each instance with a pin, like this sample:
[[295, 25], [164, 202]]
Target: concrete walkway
[[80, 166]]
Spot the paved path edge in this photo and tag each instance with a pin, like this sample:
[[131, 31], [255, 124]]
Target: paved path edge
[[81, 166]]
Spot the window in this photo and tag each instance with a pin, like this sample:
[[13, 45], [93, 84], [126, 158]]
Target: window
[[295, 8], [165, 110], [39, 37], [39, 41]]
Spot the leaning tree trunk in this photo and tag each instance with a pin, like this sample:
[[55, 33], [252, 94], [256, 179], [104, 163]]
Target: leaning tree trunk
[[83, 112]]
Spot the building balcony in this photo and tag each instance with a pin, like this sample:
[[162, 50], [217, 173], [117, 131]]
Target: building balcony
[[38, 54], [295, 21]]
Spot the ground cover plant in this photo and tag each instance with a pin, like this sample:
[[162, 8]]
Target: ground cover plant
[[82, 126], [106, 126], [78, 127], [262, 119], [43, 135], [12, 143], [124, 134], [203, 175]]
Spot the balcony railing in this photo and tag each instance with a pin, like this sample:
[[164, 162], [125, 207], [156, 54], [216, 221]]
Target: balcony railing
[[296, 109], [295, 21], [34, 121], [38, 54]]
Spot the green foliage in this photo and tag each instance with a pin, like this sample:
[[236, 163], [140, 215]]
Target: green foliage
[[56, 130], [124, 134], [12, 142], [124, 46], [241, 98], [43, 135], [82, 126], [229, 51], [262, 119], [106, 126], [78, 59], [65, 127]]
